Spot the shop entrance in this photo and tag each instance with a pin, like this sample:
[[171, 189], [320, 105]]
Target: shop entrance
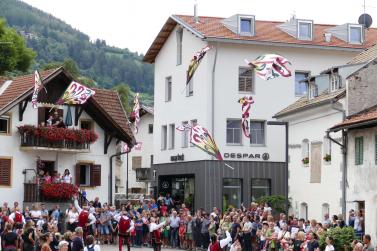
[[181, 188]]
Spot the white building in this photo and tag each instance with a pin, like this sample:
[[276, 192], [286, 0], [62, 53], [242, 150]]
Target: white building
[[23, 155], [360, 131], [211, 100], [140, 161]]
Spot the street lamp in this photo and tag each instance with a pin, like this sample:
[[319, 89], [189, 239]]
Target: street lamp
[[286, 125]]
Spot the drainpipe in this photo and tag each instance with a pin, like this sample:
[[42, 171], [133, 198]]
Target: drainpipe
[[111, 175], [344, 157]]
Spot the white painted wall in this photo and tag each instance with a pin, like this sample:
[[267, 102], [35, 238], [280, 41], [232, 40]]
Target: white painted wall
[[146, 151], [361, 178], [270, 97], [312, 125], [10, 147]]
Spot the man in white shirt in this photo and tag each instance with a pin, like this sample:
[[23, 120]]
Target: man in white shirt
[[155, 232], [174, 225], [86, 219]]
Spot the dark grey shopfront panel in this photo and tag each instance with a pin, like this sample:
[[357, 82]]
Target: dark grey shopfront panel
[[209, 177]]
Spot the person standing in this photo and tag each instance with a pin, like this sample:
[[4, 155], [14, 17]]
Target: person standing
[[174, 226], [89, 244], [77, 242], [246, 232], [367, 243], [28, 236], [205, 230], [9, 239], [125, 226], [67, 177], [86, 220], [155, 231]]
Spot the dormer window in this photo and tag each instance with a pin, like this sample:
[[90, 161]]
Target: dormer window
[[355, 34], [334, 82], [246, 25], [305, 30]]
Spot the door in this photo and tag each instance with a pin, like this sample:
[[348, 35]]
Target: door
[[315, 163]]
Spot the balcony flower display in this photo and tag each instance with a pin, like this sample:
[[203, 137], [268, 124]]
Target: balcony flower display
[[327, 158], [58, 191], [305, 161], [58, 134]]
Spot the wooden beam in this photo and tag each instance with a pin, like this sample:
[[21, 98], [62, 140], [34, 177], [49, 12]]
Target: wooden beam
[[107, 142], [21, 109], [78, 112]]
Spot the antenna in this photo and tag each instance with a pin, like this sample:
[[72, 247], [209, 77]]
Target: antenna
[[365, 19]]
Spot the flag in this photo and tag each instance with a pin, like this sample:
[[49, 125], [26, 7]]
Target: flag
[[76, 93], [246, 103], [37, 87], [201, 138], [195, 61], [136, 113], [270, 66], [138, 146]]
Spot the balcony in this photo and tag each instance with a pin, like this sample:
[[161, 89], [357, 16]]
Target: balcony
[[56, 139], [143, 174]]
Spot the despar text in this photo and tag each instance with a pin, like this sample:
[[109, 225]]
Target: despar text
[[264, 156]]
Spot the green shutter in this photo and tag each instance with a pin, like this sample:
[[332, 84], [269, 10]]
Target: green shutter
[[359, 150]]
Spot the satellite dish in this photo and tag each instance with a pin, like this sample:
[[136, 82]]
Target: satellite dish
[[366, 20]]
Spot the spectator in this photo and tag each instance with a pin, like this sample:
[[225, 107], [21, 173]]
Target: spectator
[[9, 239], [77, 242], [367, 244], [67, 177], [96, 203], [89, 244], [174, 225]]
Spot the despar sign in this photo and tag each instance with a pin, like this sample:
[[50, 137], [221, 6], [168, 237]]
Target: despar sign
[[264, 156]]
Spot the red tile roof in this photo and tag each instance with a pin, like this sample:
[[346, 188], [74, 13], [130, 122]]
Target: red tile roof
[[266, 31], [108, 100], [365, 116], [19, 86]]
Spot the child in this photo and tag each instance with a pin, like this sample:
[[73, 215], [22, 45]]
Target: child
[[181, 234]]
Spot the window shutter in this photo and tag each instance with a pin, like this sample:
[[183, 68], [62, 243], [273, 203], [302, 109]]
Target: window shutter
[[5, 172], [77, 175], [95, 175], [136, 162], [361, 150], [41, 115]]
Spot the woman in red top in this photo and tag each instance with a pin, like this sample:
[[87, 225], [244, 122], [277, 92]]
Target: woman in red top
[[181, 234]]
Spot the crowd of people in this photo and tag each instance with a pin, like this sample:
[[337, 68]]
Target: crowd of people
[[161, 224]]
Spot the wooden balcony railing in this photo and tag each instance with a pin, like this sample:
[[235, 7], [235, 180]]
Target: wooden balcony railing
[[58, 138]]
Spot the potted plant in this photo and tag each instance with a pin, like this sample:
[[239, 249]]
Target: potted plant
[[327, 158], [58, 191], [305, 161]]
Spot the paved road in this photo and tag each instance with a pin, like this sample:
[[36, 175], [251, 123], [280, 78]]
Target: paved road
[[115, 248]]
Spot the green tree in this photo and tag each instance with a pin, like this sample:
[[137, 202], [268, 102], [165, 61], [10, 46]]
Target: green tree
[[14, 55], [125, 96], [68, 64]]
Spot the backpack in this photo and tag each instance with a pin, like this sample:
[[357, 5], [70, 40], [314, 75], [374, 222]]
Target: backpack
[[124, 225], [83, 218], [18, 217]]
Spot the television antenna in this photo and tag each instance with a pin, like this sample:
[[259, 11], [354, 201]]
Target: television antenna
[[365, 19]]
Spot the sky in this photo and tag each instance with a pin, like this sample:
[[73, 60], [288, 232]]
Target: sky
[[134, 24]]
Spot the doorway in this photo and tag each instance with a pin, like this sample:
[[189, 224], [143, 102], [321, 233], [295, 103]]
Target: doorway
[[181, 188]]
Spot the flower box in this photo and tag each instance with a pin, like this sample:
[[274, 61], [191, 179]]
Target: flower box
[[58, 191], [327, 158], [305, 161]]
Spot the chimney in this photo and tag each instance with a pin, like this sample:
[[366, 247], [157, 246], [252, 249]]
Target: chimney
[[196, 18], [327, 37]]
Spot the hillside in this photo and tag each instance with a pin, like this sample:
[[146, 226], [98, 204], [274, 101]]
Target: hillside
[[54, 40]]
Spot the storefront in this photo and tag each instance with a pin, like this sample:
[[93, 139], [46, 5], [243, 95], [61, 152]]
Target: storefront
[[206, 184]]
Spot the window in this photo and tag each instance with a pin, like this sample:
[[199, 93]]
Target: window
[[245, 79], [305, 151], [86, 124], [168, 89], [5, 171], [305, 30], [5, 124], [179, 46], [193, 122], [334, 82], [150, 128], [44, 114], [232, 193], [325, 210], [164, 136], [136, 162], [355, 34], [233, 131], [246, 25], [359, 150], [301, 88], [185, 136], [313, 91], [190, 88], [259, 188], [88, 174], [257, 134], [171, 136], [304, 211], [327, 149]]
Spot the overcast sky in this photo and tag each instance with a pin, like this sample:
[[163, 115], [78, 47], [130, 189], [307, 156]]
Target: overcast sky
[[134, 24]]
